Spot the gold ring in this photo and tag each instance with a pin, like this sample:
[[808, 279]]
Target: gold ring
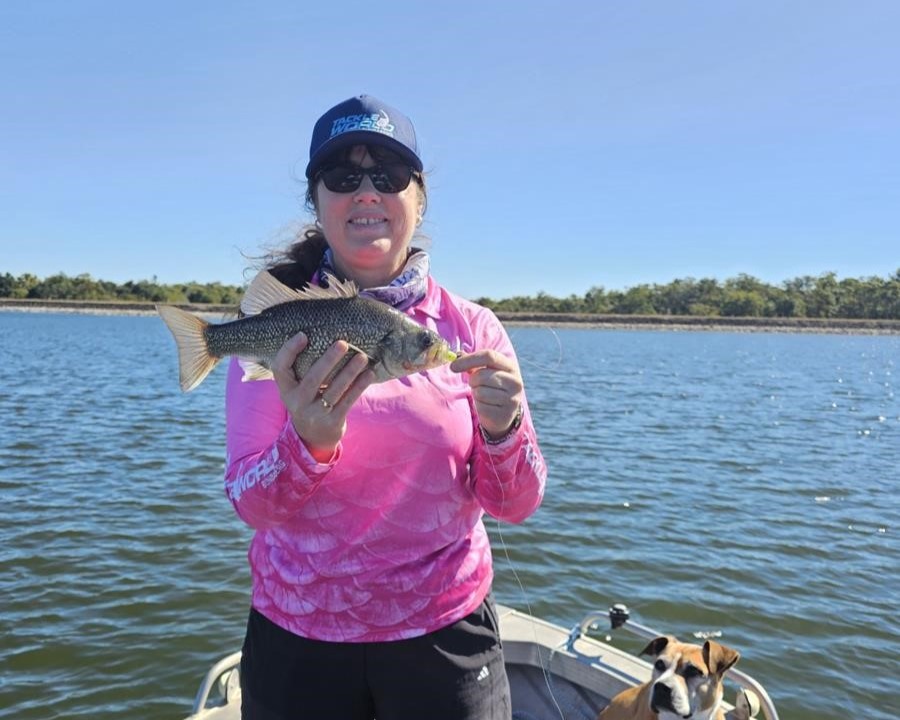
[[325, 403]]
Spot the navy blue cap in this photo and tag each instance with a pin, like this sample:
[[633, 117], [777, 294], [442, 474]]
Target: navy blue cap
[[362, 120]]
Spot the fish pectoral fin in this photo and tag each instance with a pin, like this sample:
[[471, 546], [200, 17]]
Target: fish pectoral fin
[[254, 371]]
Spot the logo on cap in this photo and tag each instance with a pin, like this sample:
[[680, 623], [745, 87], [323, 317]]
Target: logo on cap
[[379, 122]]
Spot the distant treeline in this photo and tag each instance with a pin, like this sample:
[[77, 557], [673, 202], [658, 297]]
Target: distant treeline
[[84, 287], [823, 296]]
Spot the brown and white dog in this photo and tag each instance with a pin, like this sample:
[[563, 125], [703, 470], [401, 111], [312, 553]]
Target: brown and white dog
[[686, 683]]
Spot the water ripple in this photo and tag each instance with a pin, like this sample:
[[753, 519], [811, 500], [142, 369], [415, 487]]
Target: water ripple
[[742, 484]]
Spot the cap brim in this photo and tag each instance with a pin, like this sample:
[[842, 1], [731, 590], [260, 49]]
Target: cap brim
[[361, 137]]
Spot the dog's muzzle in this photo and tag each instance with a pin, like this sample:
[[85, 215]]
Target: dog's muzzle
[[661, 698]]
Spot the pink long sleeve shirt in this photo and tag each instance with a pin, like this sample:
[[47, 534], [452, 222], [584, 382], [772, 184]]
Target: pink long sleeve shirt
[[386, 540]]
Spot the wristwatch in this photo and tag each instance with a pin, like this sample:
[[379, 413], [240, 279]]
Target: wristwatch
[[517, 421]]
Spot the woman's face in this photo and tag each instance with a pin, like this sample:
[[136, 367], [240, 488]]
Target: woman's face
[[368, 231]]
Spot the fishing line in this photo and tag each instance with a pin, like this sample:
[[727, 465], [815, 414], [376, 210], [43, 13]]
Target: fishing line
[[545, 669], [559, 352]]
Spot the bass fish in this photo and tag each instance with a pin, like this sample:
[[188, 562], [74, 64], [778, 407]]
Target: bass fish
[[395, 344]]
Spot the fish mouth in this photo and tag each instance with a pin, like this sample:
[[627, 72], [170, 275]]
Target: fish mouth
[[436, 355], [441, 354]]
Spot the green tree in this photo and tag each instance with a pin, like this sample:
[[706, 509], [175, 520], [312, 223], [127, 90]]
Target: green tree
[[786, 304], [635, 301], [8, 285], [675, 298], [596, 301], [822, 298], [24, 285], [743, 303]]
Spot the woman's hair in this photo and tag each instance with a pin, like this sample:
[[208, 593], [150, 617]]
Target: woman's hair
[[295, 265]]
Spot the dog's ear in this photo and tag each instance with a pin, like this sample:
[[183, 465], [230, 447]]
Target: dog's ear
[[719, 658], [657, 645]]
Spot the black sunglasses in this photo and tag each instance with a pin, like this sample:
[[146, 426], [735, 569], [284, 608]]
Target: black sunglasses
[[388, 177]]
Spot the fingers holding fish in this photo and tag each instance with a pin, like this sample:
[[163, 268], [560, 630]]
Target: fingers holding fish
[[318, 403], [283, 363], [347, 385]]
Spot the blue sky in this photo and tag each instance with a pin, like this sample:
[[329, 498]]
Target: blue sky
[[569, 144]]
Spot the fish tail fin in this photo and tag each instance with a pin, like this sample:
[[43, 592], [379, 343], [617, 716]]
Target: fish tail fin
[[195, 361]]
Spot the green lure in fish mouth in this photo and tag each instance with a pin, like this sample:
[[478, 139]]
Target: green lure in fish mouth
[[433, 357]]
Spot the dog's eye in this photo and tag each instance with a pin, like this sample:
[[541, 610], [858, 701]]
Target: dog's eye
[[692, 671], [660, 665]]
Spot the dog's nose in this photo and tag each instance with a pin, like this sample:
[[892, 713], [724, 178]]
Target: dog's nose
[[661, 698]]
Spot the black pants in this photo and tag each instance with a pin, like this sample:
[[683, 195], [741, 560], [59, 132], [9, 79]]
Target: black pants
[[455, 673]]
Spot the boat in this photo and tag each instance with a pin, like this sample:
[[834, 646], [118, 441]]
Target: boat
[[554, 672]]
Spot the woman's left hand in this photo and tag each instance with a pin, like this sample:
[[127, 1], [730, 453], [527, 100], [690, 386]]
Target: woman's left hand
[[496, 388]]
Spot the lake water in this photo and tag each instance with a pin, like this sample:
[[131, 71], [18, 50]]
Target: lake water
[[742, 483]]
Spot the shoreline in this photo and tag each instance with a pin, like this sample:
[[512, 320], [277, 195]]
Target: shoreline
[[689, 323]]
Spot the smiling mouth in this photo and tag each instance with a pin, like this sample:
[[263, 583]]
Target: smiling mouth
[[363, 222]]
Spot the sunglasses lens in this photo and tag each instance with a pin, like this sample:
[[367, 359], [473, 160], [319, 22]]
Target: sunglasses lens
[[387, 178], [342, 178], [391, 177]]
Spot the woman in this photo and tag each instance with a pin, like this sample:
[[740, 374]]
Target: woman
[[371, 565]]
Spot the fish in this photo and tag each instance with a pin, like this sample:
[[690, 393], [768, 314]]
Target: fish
[[394, 343]]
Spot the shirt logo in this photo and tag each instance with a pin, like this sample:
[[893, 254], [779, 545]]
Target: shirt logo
[[263, 473], [379, 122]]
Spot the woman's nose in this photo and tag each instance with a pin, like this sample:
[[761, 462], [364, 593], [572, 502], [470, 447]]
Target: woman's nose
[[366, 191]]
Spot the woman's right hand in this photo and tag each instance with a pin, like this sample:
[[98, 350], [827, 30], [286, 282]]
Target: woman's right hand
[[319, 415]]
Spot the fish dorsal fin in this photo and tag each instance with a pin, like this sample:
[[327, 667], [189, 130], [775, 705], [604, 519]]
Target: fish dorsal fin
[[336, 289], [265, 292]]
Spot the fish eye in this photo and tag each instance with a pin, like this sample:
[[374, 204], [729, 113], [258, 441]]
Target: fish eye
[[660, 665], [426, 339]]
